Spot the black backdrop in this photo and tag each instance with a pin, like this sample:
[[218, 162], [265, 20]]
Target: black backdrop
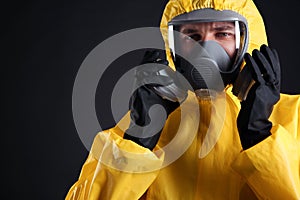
[[44, 44]]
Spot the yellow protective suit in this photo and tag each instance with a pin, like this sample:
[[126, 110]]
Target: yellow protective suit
[[268, 170]]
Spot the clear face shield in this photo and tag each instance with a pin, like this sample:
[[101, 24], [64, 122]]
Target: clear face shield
[[212, 41]]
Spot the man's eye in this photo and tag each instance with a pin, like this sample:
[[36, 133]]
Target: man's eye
[[195, 37], [224, 35]]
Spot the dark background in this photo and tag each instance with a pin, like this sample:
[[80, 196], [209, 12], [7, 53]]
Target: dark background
[[43, 46]]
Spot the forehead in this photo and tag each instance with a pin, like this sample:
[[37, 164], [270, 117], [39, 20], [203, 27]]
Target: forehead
[[206, 25]]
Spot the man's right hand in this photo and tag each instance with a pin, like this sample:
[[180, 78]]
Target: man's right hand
[[151, 103]]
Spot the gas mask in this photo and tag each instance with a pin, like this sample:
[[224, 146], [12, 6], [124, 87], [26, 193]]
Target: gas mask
[[206, 44]]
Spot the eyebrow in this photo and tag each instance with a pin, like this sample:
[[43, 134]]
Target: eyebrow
[[189, 30], [223, 28], [218, 28]]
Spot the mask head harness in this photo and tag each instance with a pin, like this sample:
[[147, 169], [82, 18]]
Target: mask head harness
[[211, 57]]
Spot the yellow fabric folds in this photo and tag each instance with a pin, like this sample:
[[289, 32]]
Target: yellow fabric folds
[[269, 170], [101, 177]]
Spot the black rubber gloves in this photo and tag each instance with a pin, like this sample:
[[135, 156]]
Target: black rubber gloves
[[253, 120]]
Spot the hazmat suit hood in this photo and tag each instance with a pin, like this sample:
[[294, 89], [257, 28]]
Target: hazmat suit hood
[[246, 8]]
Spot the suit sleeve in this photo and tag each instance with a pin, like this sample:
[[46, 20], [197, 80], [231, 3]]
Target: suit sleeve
[[115, 169], [271, 167]]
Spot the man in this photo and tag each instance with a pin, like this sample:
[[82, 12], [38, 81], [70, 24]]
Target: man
[[256, 153]]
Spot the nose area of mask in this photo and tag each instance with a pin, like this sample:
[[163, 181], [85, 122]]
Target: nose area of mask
[[213, 51], [208, 60]]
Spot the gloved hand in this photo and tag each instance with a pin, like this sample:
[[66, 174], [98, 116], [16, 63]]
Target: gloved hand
[[253, 119], [165, 90]]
